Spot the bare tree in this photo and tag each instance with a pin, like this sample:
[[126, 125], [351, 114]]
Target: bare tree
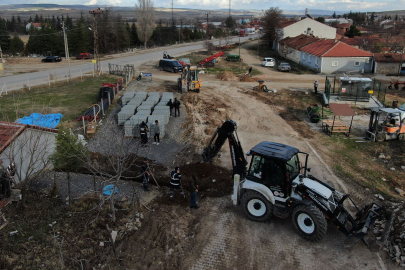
[[29, 151], [146, 17]]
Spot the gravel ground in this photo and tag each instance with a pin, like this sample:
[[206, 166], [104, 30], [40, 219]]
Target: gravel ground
[[109, 139], [83, 184]]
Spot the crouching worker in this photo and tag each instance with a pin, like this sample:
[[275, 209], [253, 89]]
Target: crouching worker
[[175, 182]]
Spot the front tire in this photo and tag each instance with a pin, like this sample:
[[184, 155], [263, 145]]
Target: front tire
[[401, 137], [256, 206], [310, 222], [380, 137]]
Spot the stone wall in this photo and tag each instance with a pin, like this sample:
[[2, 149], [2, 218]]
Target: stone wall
[[387, 68]]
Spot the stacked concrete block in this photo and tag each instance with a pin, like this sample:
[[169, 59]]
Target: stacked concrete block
[[160, 117], [162, 107], [126, 112], [165, 113], [135, 102], [127, 96], [141, 94], [146, 107], [166, 96], [131, 126], [149, 102]]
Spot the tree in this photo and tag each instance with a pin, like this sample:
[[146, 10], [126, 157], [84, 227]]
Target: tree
[[135, 42], [334, 15], [146, 17], [230, 23], [4, 36], [16, 45], [271, 19], [321, 19], [69, 154], [353, 31]]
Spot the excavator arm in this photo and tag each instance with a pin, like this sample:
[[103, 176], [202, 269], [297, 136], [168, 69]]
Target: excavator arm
[[227, 131]]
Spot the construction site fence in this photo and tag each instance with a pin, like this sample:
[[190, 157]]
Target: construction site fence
[[354, 93]]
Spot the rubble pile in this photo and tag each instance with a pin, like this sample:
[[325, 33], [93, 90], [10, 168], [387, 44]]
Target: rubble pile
[[395, 243]]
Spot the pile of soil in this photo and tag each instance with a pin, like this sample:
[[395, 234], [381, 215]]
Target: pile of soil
[[247, 78], [214, 181], [227, 76]]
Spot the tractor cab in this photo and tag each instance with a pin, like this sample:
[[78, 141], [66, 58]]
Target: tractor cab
[[386, 124], [275, 166]]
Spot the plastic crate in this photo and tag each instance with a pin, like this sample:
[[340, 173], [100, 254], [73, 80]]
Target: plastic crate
[[144, 108]]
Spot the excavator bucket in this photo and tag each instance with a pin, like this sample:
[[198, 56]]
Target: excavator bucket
[[364, 221]]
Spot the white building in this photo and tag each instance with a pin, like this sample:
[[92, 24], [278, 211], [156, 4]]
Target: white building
[[29, 147]]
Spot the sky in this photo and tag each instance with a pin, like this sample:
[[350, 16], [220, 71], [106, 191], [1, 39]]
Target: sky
[[332, 5]]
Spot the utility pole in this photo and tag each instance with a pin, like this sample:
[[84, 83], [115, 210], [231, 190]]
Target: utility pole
[[66, 46], [208, 13], [95, 13], [172, 15], [400, 66], [240, 62]]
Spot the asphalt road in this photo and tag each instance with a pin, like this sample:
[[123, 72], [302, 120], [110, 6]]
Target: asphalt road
[[16, 82]]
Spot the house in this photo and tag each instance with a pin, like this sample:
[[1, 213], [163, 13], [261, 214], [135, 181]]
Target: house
[[389, 63], [29, 147], [35, 25], [326, 55], [306, 26]]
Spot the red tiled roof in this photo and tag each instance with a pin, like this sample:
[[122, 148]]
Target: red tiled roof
[[341, 31], [8, 132], [334, 48], [343, 25], [287, 23], [389, 57], [299, 41], [344, 50]]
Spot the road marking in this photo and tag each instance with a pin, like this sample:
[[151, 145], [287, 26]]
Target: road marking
[[341, 184]]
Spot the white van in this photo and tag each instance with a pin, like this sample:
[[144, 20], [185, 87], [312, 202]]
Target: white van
[[268, 62]]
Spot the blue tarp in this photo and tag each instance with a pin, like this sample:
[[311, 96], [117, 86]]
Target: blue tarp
[[107, 190], [37, 119]]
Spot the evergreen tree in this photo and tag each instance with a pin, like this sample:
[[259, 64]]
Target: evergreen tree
[[4, 37], [135, 42], [334, 15], [16, 45], [353, 31]]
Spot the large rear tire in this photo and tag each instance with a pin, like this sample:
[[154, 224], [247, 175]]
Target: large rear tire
[[310, 222], [256, 206]]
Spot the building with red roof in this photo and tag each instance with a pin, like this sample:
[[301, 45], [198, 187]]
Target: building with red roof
[[389, 63], [306, 26], [326, 55]]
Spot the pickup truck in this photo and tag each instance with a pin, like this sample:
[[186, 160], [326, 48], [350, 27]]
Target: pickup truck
[[84, 56]]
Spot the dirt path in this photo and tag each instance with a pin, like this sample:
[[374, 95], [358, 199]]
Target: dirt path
[[225, 239]]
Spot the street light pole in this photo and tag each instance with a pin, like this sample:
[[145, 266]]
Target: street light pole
[[208, 13], [66, 46]]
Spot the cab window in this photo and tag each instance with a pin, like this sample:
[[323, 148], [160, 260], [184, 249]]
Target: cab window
[[293, 167], [256, 167]]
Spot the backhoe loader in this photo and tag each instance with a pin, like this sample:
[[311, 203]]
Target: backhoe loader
[[189, 80], [277, 183]]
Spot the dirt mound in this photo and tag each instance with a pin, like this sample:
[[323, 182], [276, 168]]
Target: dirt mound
[[214, 181], [247, 78], [227, 76]]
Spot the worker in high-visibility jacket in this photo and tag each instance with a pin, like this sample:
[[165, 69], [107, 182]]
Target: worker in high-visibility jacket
[[175, 182]]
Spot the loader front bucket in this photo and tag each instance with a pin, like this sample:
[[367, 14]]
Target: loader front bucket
[[364, 221]]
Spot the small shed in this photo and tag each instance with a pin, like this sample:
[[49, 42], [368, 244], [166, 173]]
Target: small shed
[[335, 125]]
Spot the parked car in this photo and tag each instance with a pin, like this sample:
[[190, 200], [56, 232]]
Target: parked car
[[51, 59], [268, 62], [284, 67], [84, 56], [170, 65]]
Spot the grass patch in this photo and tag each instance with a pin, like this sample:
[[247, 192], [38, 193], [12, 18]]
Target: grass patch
[[70, 99]]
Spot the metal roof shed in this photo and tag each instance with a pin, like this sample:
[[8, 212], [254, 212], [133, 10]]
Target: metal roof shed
[[330, 126]]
